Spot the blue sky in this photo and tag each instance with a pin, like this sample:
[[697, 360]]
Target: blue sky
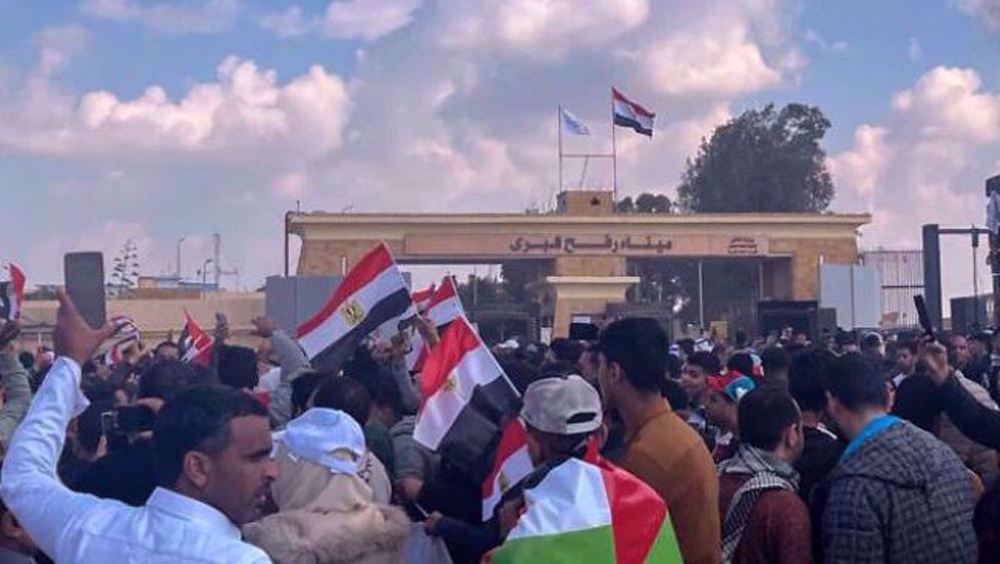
[[153, 120]]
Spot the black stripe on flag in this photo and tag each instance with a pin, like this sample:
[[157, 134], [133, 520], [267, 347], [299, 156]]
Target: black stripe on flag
[[471, 442], [332, 357], [6, 300]]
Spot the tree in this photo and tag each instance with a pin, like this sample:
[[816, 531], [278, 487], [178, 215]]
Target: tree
[[762, 161], [645, 203]]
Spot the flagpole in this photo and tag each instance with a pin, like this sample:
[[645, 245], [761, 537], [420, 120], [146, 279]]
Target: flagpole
[[559, 133], [614, 151]]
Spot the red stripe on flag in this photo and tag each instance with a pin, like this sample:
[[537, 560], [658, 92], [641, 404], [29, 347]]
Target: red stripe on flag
[[201, 342], [18, 279], [367, 269], [637, 108], [637, 513], [445, 291], [514, 439], [457, 340], [423, 295]]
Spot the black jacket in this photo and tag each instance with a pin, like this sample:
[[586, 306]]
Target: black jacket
[[128, 474], [819, 455], [972, 418]]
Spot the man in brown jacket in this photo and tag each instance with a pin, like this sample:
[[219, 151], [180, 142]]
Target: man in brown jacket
[[661, 449], [764, 521]]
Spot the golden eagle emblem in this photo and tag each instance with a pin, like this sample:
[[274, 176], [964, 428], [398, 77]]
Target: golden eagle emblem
[[352, 312]]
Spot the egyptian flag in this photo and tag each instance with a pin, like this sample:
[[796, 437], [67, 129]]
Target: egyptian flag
[[442, 307], [195, 343], [12, 294], [445, 306], [371, 297], [630, 114], [423, 297], [511, 464], [596, 513], [465, 394]]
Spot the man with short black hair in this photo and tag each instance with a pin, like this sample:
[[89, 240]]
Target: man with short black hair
[[906, 362], [213, 449], [661, 449], [167, 350], [898, 495], [725, 392], [764, 521], [694, 379], [822, 448], [775, 362]]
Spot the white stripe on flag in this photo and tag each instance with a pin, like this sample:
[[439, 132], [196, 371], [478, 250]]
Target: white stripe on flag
[[514, 469], [446, 311], [476, 368], [570, 498], [388, 282], [625, 110]]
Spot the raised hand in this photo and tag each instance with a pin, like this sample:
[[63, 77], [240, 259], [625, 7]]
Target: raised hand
[[9, 331], [73, 337]]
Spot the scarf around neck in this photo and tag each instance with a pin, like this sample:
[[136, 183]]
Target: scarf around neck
[[766, 472]]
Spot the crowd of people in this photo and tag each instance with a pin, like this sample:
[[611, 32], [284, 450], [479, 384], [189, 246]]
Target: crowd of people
[[780, 451]]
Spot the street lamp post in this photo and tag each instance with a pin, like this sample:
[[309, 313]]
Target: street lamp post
[[204, 274], [179, 241]]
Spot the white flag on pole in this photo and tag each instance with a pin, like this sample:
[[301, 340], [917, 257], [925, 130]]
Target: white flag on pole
[[572, 124]]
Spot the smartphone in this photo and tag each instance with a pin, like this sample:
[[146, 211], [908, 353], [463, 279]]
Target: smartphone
[[83, 274], [923, 316], [127, 419]]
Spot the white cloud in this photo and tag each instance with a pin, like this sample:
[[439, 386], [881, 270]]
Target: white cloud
[[198, 16], [457, 117], [56, 45], [860, 168], [985, 11], [291, 184], [915, 52], [366, 20], [245, 110], [290, 23], [538, 29], [722, 63], [813, 37], [947, 102], [927, 162]]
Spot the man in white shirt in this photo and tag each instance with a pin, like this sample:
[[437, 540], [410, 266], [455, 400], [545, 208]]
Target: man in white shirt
[[213, 449]]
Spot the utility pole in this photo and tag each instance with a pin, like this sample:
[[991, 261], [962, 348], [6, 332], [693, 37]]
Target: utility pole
[[993, 191]]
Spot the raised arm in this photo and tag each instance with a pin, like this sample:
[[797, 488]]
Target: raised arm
[[30, 487], [14, 380], [293, 361], [973, 419]]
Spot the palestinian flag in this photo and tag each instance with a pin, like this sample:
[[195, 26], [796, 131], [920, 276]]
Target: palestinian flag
[[371, 297], [195, 343], [594, 513], [511, 464], [465, 394], [12, 294]]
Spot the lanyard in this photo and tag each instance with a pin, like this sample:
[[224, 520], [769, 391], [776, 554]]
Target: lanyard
[[872, 430]]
